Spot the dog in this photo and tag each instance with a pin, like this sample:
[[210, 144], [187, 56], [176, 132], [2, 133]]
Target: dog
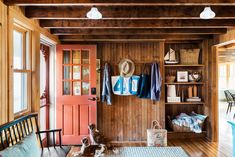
[[95, 136], [86, 149]]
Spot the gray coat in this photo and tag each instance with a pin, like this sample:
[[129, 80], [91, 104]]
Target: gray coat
[[156, 82]]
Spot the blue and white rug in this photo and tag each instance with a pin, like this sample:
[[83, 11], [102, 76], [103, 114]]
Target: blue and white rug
[[146, 152]]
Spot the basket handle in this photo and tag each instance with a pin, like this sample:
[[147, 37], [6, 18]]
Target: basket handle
[[156, 125]]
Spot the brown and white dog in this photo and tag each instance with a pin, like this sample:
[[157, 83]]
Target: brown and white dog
[[95, 136]]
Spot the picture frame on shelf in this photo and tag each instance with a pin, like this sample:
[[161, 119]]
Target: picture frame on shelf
[[182, 76]]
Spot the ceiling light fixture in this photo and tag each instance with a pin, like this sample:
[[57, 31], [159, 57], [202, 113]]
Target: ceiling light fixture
[[207, 13], [94, 14]]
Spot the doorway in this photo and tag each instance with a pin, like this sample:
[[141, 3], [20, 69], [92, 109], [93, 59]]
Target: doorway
[[226, 95], [75, 91]]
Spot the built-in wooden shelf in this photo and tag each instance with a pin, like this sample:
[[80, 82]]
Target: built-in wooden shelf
[[185, 135], [185, 103], [185, 83], [184, 65]]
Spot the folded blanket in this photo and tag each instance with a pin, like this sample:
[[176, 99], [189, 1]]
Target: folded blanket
[[192, 121]]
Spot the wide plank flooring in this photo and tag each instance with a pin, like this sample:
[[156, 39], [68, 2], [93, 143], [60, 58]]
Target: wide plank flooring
[[194, 147]]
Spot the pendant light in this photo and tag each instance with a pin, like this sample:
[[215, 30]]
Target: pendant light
[[207, 13], [94, 14]]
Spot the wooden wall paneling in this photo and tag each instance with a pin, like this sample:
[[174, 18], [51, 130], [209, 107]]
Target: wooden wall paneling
[[162, 102], [3, 64], [213, 93], [128, 117], [35, 72]]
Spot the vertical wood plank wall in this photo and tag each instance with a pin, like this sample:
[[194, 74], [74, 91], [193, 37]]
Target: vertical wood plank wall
[[129, 116]]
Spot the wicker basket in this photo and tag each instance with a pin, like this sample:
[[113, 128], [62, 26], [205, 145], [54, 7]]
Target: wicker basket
[[170, 79], [189, 56], [177, 128]]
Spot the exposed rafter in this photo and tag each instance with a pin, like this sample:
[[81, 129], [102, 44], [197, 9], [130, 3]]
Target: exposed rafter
[[118, 2], [150, 31], [128, 12], [131, 37], [221, 23]]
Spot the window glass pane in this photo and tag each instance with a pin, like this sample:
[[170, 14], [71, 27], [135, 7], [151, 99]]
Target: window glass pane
[[85, 88], [85, 73], [42, 73], [66, 72], [18, 50], [27, 51], [20, 92], [76, 57], [222, 76], [66, 88], [66, 57], [232, 70], [76, 73], [43, 115], [85, 57], [76, 88], [222, 70]]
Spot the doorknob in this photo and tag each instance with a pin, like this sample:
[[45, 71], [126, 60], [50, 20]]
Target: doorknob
[[92, 99]]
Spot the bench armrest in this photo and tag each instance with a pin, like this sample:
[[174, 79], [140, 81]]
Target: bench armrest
[[47, 132]]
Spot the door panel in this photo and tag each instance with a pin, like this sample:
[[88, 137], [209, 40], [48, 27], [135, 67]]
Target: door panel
[[76, 75]]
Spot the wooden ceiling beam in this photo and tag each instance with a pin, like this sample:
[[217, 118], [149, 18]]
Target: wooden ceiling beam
[[128, 12], [219, 23], [138, 31], [131, 37], [118, 2]]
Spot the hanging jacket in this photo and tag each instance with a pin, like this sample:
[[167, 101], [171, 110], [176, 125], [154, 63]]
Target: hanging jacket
[[144, 90], [156, 82], [106, 87]]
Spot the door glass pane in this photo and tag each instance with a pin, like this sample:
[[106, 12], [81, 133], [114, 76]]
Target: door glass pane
[[76, 72], [66, 57], [85, 88], [18, 50], [66, 72], [85, 73], [66, 88], [76, 88], [20, 92], [85, 57], [76, 57]]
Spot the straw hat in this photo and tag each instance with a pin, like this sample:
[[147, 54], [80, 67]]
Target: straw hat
[[126, 67]]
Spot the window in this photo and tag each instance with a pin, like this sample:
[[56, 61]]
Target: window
[[222, 76], [231, 76], [21, 70]]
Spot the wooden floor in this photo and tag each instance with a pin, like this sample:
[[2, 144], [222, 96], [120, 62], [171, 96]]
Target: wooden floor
[[194, 147], [198, 147]]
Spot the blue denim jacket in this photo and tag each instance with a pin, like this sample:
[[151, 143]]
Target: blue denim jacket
[[106, 87], [156, 82]]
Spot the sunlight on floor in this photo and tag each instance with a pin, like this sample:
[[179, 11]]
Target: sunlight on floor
[[225, 130]]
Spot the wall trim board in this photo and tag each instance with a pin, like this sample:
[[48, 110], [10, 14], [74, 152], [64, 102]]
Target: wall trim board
[[3, 65]]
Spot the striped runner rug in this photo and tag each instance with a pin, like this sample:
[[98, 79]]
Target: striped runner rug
[[146, 152]]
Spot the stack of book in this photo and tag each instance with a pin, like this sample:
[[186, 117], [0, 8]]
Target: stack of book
[[194, 99]]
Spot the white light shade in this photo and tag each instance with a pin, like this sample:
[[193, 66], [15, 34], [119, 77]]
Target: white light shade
[[207, 13], [94, 14]]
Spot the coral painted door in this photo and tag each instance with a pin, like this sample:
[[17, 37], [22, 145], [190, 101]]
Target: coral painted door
[[76, 93]]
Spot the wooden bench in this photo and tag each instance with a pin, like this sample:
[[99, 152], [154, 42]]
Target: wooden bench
[[13, 132]]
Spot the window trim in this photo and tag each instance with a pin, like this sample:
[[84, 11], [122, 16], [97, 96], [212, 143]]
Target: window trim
[[26, 68]]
